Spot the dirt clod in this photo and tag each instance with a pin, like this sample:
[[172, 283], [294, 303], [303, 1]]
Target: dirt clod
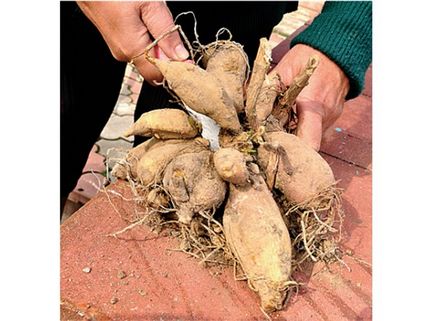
[[142, 292], [121, 274]]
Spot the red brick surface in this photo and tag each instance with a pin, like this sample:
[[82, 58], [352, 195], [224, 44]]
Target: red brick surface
[[356, 119], [88, 184], [170, 285], [133, 84]]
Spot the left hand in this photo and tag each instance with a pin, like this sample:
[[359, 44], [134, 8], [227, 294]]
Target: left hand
[[321, 102], [129, 27]]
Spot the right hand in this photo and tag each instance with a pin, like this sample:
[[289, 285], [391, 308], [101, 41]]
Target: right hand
[[128, 27], [321, 102]]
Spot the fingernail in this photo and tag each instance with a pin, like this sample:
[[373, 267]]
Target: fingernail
[[181, 52]]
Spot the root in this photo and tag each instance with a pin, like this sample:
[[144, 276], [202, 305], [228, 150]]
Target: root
[[313, 228], [104, 190], [196, 42], [265, 314], [190, 48], [210, 241], [236, 277], [303, 233], [127, 228], [153, 44]]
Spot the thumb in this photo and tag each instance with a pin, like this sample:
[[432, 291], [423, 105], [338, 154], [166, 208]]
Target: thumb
[[310, 117], [158, 19]]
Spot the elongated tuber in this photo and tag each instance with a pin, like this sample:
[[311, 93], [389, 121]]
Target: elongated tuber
[[128, 166], [165, 123], [301, 173], [231, 166], [227, 61], [200, 91], [152, 164], [194, 184], [258, 237]]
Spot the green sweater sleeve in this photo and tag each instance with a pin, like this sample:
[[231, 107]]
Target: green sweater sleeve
[[343, 32]]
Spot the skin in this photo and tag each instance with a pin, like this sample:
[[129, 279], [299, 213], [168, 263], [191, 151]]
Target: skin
[[321, 102], [128, 27]]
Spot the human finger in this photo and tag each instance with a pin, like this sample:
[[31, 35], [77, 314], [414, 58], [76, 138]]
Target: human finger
[[310, 118], [149, 72], [158, 20]]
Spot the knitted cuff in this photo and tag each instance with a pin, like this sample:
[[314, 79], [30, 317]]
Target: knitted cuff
[[343, 32]]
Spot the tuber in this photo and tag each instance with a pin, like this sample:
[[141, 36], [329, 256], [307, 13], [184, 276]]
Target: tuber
[[164, 123]]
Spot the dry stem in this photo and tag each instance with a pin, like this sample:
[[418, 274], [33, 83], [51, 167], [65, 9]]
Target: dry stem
[[260, 69], [286, 102]]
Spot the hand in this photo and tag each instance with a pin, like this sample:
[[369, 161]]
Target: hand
[[128, 27], [321, 102]]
